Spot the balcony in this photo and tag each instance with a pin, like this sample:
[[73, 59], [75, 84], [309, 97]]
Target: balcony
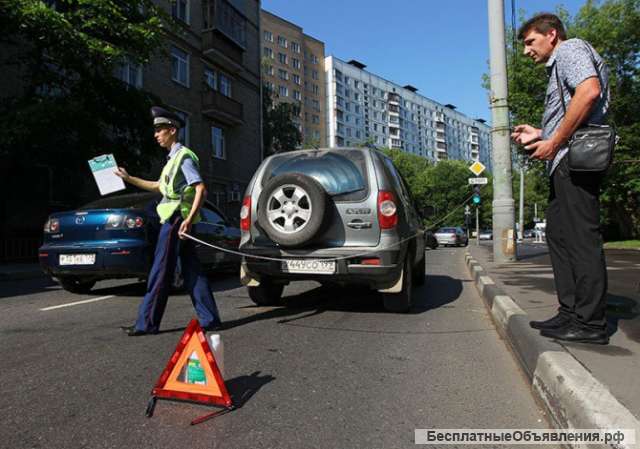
[[225, 30], [222, 108], [394, 98], [440, 137]]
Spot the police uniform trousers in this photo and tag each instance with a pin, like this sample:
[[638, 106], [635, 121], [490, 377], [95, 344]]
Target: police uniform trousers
[[168, 249], [575, 245]]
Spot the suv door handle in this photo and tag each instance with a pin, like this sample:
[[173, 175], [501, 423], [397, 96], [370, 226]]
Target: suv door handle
[[358, 224]]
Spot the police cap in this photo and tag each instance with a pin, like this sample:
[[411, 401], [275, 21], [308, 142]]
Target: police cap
[[162, 116]]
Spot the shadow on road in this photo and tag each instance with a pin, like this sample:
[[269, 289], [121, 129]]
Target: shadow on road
[[437, 292], [242, 388]]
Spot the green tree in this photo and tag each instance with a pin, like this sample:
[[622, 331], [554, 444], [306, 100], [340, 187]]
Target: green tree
[[67, 105], [613, 28], [279, 132]]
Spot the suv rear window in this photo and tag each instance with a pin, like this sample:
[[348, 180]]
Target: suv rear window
[[446, 230], [342, 174]]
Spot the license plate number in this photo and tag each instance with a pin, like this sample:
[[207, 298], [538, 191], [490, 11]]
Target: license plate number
[[77, 259], [309, 266]]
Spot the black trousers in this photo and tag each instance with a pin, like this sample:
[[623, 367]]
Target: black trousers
[[575, 246]]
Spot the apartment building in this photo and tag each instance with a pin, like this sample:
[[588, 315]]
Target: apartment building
[[211, 77], [363, 108], [293, 69]]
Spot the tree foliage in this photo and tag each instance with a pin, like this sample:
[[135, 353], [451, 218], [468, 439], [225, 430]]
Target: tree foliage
[[279, 132], [613, 28], [66, 105]]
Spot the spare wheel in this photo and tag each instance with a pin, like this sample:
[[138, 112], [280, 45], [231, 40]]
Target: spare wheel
[[291, 209]]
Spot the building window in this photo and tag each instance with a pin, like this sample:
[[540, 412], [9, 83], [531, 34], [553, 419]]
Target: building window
[[270, 70], [316, 89], [316, 105], [180, 66], [217, 142], [297, 95], [224, 84], [295, 63], [282, 58], [267, 53], [296, 79], [314, 59], [129, 73], [180, 10], [315, 119], [314, 74], [295, 47], [283, 91], [283, 74], [210, 78], [268, 36], [184, 135], [282, 41]]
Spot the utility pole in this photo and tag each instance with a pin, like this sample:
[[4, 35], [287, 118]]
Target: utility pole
[[504, 243], [477, 226], [521, 211]]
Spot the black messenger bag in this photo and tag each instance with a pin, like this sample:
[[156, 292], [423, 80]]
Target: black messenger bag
[[591, 146]]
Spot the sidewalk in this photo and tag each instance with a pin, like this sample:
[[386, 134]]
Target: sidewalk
[[20, 271], [583, 386]]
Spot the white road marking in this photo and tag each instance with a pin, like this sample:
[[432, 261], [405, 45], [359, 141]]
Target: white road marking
[[77, 303]]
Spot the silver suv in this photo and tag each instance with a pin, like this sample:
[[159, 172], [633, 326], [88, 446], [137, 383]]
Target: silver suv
[[342, 216]]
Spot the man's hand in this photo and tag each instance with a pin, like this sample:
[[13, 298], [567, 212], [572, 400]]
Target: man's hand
[[121, 172], [545, 150], [185, 228], [525, 134]]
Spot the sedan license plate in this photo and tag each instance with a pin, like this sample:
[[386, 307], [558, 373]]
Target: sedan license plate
[[77, 259], [309, 266]]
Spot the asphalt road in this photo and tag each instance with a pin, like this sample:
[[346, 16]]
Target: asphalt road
[[331, 370]]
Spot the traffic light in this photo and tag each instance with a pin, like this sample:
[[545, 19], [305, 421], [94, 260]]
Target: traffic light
[[476, 195]]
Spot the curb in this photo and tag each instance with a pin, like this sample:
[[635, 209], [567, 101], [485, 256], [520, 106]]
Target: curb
[[572, 396]]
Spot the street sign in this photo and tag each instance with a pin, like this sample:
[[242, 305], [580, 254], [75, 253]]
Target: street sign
[[467, 211], [477, 168], [478, 180]]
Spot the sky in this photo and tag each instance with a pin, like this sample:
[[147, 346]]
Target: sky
[[440, 47]]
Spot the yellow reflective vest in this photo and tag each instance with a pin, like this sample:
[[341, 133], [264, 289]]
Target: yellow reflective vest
[[172, 196]]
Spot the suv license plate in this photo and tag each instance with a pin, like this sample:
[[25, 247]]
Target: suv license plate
[[309, 266], [77, 259]]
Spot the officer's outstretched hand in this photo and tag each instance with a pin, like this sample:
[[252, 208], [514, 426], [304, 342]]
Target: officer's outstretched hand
[[121, 172], [185, 228]]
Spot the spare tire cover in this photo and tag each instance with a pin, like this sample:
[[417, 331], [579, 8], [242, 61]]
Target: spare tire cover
[[291, 209]]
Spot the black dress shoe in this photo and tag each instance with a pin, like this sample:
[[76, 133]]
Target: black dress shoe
[[131, 331], [555, 322], [577, 334]]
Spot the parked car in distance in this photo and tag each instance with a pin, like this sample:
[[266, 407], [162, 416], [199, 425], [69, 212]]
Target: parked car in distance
[[311, 207], [529, 233], [455, 236], [115, 237], [486, 234]]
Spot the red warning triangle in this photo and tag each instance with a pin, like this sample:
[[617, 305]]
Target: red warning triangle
[[192, 373]]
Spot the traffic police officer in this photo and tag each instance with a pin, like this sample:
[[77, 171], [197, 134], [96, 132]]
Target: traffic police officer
[[183, 193]]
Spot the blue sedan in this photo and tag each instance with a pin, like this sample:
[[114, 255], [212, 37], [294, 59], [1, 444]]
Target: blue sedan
[[115, 237]]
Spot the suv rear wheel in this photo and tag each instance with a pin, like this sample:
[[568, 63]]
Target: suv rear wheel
[[401, 302], [266, 294], [291, 209]]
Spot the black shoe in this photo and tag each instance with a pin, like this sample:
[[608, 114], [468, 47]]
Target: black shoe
[[131, 331], [555, 322], [577, 334]]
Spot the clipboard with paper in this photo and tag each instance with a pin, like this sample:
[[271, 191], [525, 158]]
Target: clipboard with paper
[[103, 168]]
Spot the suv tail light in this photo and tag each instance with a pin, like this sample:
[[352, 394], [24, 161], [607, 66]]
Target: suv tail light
[[387, 210], [245, 214]]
